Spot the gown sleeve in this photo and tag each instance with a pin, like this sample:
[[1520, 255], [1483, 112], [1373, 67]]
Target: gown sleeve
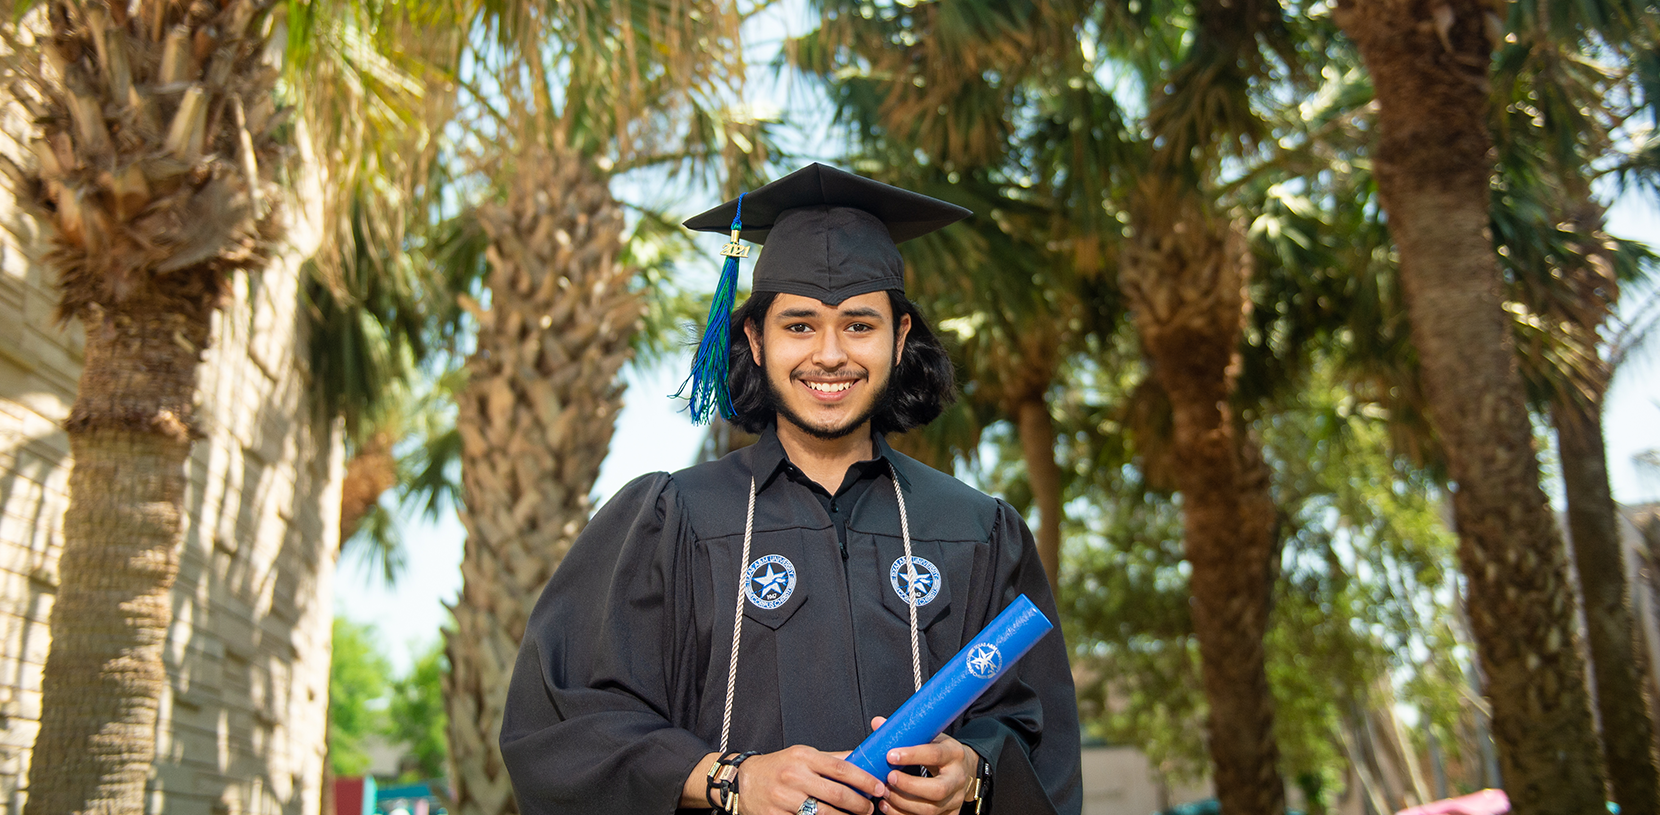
[[1026, 725], [588, 726]]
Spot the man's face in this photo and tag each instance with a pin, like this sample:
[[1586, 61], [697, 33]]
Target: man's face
[[828, 367]]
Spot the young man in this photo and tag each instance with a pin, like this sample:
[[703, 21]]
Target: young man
[[857, 571]]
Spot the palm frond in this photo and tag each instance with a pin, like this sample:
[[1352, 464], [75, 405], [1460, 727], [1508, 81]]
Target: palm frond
[[378, 542]]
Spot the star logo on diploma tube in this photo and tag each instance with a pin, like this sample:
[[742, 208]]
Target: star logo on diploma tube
[[769, 581], [985, 660]]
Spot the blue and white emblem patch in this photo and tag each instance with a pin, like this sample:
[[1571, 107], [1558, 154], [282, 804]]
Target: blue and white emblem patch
[[927, 580], [769, 581], [985, 660]]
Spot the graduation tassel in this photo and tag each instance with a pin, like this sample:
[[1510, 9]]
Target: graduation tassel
[[710, 368]]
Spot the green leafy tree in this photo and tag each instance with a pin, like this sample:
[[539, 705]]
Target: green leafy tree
[[416, 712], [357, 696], [1360, 603]]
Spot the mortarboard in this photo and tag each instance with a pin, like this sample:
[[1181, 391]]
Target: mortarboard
[[828, 234]]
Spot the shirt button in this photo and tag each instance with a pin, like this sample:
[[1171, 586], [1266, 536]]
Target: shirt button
[[835, 507]]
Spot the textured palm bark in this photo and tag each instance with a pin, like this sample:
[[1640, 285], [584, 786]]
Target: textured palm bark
[[1620, 668], [536, 419], [1037, 445], [151, 166], [1619, 663], [1184, 278], [1428, 60], [130, 432]]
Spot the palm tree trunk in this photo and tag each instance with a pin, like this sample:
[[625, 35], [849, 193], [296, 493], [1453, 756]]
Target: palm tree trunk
[[1619, 662], [1184, 278], [1428, 60], [1037, 443], [130, 433], [1619, 665], [536, 420]]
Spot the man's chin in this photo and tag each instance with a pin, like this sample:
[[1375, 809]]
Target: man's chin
[[823, 432]]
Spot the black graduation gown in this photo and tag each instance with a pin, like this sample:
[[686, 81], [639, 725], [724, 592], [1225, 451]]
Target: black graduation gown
[[621, 679]]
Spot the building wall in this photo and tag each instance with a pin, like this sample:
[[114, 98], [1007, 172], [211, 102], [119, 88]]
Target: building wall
[[1121, 781], [243, 724]]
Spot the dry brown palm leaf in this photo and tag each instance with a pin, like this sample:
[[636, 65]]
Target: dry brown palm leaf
[[150, 167]]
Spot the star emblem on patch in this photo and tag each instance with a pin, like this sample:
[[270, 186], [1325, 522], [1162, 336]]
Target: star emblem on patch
[[769, 581], [926, 587], [985, 660]]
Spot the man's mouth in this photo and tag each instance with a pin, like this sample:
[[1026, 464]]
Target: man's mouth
[[829, 387]]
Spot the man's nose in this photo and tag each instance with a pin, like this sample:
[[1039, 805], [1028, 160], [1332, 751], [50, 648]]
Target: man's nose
[[829, 353]]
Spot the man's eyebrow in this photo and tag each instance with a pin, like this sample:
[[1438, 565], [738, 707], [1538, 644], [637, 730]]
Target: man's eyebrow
[[804, 312]]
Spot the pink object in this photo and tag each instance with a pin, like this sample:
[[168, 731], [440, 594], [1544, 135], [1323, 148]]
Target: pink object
[[1486, 802]]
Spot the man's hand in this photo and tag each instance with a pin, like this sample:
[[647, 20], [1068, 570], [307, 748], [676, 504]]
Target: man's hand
[[951, 766], [778, 783]]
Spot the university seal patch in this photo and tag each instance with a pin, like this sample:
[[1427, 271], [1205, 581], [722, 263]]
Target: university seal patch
[[769, 581], [985, 660], [927, 580]]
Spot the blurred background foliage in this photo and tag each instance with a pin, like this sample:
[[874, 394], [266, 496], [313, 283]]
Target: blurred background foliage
[[1048, 119]]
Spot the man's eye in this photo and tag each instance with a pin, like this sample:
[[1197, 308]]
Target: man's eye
[[798, 328], [861, 327]]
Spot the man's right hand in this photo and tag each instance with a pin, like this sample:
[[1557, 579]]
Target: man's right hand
[[778, 783]]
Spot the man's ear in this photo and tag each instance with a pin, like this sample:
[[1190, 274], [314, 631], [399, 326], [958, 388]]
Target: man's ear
[[754, 335], [903, 329]]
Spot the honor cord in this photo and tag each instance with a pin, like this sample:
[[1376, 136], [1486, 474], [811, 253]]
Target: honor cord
[[910, 586], [738, 621]]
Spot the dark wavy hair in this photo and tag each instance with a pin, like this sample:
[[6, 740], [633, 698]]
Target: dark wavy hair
[[923, 383]]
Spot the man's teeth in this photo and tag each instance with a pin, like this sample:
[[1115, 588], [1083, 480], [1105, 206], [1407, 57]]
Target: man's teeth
[[829, 387]]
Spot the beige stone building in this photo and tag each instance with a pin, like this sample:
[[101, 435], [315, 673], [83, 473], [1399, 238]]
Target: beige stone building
[[243, 723]]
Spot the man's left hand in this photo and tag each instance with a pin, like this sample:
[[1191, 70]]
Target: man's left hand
[[951, 766]]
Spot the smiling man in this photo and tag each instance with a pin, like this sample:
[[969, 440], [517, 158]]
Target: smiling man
[[722, 636]]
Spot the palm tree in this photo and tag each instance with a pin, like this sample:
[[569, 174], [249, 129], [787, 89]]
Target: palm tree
[[562, 97], [160, 136], [1570, 277], [1429, 66], [1567, 273]]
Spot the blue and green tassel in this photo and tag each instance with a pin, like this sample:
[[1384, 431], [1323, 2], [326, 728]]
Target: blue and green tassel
[[711, 367]]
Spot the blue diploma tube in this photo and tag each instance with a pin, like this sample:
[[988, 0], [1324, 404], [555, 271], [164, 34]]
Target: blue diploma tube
[[948, 693]]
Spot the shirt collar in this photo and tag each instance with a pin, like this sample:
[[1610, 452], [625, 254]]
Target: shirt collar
[[767, 458]]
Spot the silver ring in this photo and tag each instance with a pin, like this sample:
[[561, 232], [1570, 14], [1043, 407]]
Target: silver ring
[[808, 807]]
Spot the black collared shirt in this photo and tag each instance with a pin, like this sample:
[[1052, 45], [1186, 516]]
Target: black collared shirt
[[621, 680], [860, 476]]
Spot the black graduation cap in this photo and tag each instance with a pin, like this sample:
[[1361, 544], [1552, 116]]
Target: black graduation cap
[[828, 234]]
